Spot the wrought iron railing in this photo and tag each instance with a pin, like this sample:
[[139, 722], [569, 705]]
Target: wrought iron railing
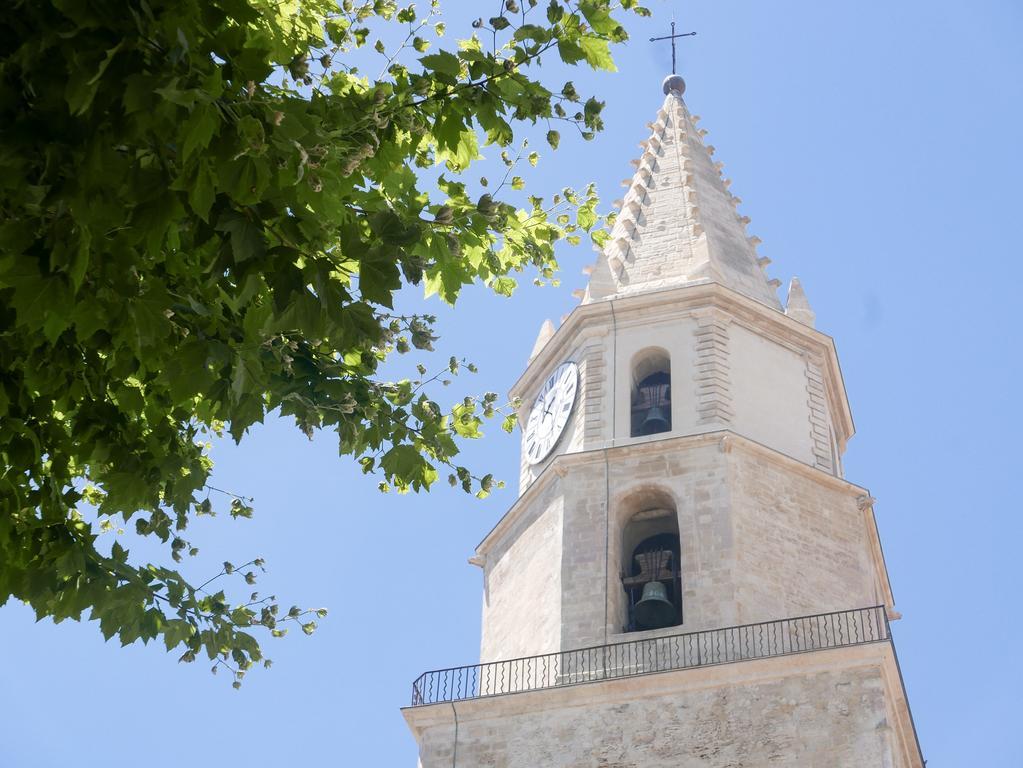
[[652, 655]]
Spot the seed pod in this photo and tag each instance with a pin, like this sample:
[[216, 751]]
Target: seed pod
[[485, 205], [454, 245], [444, 216]]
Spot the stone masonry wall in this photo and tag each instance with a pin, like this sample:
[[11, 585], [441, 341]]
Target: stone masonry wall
[[769, 396], [801, 543], [760, 541], [522, 587], [694, 479], [836, 719]]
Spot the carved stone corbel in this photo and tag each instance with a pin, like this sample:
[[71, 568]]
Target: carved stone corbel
[[865, 502]]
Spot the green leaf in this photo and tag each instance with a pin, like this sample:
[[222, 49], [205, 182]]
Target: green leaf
[[198, 130], [175, 95], [570, 51], [533, 32], [246, 236], [405, 466], [597, 53], [251, 132], [148, 324], [177, 631], [465, 422], [244, 178], [202, 192], [393, 230], [443, 63], [504, 286], [80, 91], [598, 17], [379, 276], [111, 52], [39, 302], [586, 217]]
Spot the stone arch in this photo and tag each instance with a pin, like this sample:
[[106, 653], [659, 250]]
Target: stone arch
[[645, 548], [650, 397]]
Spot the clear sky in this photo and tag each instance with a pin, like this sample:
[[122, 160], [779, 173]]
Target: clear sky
[[877, 149]]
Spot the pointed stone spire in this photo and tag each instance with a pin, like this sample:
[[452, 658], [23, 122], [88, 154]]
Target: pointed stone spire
[[677, 224], [546, 332], [797, 306]]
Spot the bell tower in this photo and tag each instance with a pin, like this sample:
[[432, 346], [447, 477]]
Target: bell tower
[[686, 577]]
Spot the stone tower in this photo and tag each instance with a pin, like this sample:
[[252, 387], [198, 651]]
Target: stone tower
[[686, 578]]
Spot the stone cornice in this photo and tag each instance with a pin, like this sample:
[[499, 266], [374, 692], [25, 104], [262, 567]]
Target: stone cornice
[[686, 301], [726, 439]]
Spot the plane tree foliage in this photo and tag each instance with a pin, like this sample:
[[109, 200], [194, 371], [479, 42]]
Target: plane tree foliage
[[207, 211]]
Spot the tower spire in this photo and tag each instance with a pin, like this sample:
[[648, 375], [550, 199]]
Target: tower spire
[[678, 223]]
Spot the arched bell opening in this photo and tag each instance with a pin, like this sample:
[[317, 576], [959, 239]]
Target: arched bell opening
[[651, 393], [652, 574]]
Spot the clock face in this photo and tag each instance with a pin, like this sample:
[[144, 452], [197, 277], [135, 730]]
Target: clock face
[[550, 412]]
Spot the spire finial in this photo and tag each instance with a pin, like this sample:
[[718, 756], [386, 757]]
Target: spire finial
[[673, 37], [673, 84], [797, 306]]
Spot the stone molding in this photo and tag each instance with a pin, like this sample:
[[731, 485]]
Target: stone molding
[[820, 430], [593, 375], [713, 385]]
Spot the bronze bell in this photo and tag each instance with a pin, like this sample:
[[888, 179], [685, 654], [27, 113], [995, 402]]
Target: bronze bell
[[654, 610], [653, 404], [655, 421]]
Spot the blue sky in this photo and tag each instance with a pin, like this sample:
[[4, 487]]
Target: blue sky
[[876, 147]]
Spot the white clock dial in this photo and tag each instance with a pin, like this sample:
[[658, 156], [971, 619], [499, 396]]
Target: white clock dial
[[550, 412]]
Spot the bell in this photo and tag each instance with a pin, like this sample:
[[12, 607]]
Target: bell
[[654, 609], [654, 422]]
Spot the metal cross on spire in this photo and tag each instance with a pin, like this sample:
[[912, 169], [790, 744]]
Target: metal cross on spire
[[673, 37]]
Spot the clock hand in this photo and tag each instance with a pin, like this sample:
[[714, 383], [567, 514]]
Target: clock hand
[[546, 408]]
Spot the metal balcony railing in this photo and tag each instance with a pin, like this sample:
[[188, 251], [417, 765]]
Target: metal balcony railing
[[651, 655]]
